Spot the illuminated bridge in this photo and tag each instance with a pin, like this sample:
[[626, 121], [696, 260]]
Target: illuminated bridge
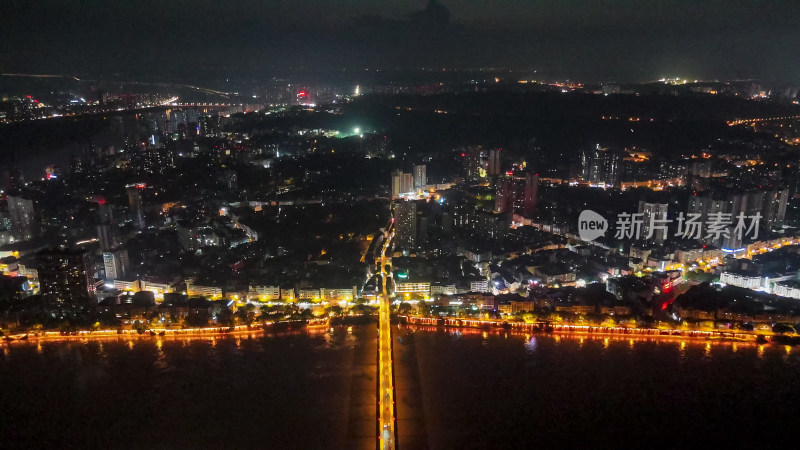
[[202, 105], [387, 430], [732, 123]]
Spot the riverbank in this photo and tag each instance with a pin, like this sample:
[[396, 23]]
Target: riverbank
[[166, 332], [545, 327]]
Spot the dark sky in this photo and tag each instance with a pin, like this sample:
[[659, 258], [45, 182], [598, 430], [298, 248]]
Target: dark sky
[[580, 39]]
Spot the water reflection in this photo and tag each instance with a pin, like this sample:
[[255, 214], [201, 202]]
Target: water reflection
[[548, 386], [565, 391], [530, 344], [682, 345], [265, 385]]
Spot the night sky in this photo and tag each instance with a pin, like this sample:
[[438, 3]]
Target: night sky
[[622, 40]]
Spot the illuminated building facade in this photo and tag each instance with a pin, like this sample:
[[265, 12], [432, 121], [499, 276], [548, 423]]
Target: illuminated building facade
[[116, 263], [401, 183], [405, 214], [423, 289], [264, 293], [420, 177]]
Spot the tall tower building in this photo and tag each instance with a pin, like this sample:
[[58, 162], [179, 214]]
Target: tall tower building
[[473, 164], [24, 225], [65, 275], [105, 234], [770, 205], [655, 212], [401, 183], [504, 195], [407, 182], [116, 264], [135, 205], [493, 165], [531, 194], [105, 227], [602, 165], [405, 216], [420, 177], [774, 208], [397, 180]]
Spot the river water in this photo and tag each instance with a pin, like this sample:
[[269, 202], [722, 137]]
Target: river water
[[499, 390], [455, 390], [275, 391]]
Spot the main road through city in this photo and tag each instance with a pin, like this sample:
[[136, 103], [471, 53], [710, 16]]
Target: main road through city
[[387, 421]]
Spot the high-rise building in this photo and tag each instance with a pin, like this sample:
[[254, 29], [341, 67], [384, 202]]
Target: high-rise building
[[422, 229], [769, 205], [405, 216], [135, 205], [674, 170], [504, 195], [420, 177], [408, 182], [493, 165], [116, 263], [447, 222], [209, 125], [655, 213], [602, 166], [704, 207], [486, 225], [775, 207], [401, 183], [531, 193], [105, 227], [105, 234], [24, 225], [64, 275], [148, 159], [474, 168], [397, 180]]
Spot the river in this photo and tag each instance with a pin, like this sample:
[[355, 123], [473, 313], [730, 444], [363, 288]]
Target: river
[[456, 389]]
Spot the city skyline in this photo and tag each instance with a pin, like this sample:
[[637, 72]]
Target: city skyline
[[399, 225]]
